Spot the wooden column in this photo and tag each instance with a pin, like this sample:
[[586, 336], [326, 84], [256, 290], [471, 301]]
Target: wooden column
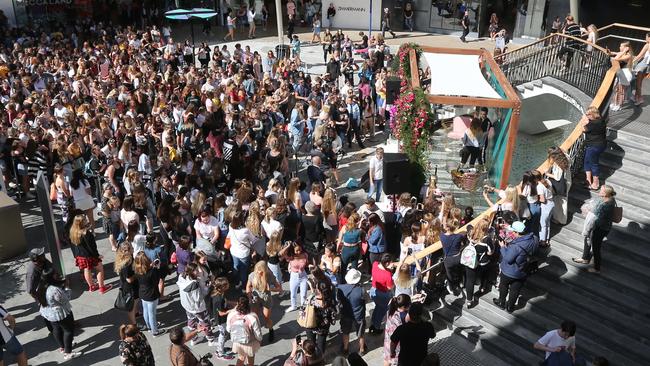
[[415, 74]]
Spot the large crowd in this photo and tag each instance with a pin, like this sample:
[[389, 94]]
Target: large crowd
[[191, 171]]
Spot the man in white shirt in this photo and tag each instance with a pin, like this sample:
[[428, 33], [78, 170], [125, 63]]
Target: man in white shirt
[[559, 340], [376, 174]]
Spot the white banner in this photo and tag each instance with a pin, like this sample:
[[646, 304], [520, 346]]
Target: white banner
[[353, 14]]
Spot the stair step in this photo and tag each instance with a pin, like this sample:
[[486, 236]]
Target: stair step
[[631, 138], [637, 169], [627, 237], [627, 185], [624, 152], [494, 337]]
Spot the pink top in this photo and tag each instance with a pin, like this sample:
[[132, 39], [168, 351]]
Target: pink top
[[298, 263]]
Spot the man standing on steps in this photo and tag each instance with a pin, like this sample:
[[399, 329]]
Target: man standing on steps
[[465, 23], [514, 256], [570, 29]]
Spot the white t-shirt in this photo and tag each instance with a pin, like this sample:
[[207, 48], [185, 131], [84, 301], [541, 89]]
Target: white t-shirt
[[80, 193], [270, 227], [128, 216], [552, 339], [377, 168], [206, 231], [241, 241]]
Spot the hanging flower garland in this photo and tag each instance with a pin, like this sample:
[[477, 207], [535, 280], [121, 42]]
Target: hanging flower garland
[[411, 118]]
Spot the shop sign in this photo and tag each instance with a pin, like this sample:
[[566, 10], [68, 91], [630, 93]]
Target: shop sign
[[43, 2]]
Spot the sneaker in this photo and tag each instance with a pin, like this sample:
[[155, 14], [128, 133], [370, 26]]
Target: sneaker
[[105, 289], [290, 309], [142, 327], [159, 332], [224, 356], [71, 355]]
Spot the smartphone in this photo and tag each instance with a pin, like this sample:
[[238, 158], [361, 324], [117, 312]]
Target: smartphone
[[298, 339]]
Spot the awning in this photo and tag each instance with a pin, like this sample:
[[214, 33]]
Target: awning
[[184, 14], [458, 75]]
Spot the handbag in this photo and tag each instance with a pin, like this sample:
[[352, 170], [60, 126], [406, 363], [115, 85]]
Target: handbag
[[124, 300], [307, 317], [617, 214]]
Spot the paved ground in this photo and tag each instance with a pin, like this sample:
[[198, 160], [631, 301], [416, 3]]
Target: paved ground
[[97, 335]]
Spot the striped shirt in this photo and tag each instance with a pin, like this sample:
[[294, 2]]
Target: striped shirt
[[572, 30], [5, 332]]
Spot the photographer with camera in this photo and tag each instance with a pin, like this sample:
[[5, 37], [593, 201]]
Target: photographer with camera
[[304, 353], [515, 258]]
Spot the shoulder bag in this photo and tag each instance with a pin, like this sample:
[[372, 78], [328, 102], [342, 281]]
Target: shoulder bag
[[307, 317], [617, 214], [124, 300]]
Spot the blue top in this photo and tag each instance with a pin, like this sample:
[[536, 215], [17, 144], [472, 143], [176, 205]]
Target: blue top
[[376, 241], [352, 236], [353, 305], [451, 243], [514, 255]]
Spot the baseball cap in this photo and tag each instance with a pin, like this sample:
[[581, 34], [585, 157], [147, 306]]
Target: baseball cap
[[36, 252]]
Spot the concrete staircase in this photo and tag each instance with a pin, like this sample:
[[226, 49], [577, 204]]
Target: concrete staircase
[[610, 309]]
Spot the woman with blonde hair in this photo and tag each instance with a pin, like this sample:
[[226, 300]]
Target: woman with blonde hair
[[273, 248], [85, 253], [328, 208], [270, 224], [481, 243], [254, 225], [261, 282], [123, 266], [509, 198], [625, 58]]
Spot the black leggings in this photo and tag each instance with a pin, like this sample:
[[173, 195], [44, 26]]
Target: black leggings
[[473, 154], [511, 286], [597, 237], [63, 332]]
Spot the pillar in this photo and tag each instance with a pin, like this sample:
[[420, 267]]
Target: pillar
[[575, 7]]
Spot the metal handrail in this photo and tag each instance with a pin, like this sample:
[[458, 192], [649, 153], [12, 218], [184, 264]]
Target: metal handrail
[[609, 36], [544, 42]]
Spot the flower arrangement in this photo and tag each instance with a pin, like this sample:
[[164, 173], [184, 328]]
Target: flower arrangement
[[411, 117]]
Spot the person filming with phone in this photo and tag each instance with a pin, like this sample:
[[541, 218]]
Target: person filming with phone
[[304, 352]]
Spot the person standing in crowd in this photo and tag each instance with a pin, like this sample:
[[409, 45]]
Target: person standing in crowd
[[241, 241], [192, 295], [473, 141], [86, 256], [123, 266], [545, 192], [413, 337], [482, 243], [324, 302], [376, 238], [179, 353], [148, 276], [376, 174], [603, 211], [82, 196], [35, 267], [245, 332], [397, 313], [353, 310], [595, 130], [451, 245], [349, 243], [8, 340], [528, 188], [408, 16], [316, 28], [558, 341], [559, 174], [297, 265], [464, 22], [134, 348], [571, 28], [250, 16], [54, 299], [381, 291], [261, 283], [625, 58], [641, 69], [220, 311], [514, 256]]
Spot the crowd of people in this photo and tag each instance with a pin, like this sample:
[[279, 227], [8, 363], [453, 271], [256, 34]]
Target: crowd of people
[[186, 169]]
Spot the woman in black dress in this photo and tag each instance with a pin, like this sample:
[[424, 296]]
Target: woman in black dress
[[128, 282]]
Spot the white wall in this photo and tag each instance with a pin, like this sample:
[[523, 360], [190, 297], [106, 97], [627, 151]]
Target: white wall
[[354, 14]]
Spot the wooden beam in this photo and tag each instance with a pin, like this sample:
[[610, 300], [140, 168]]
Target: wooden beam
[[500, 76], [474, 101], [453, 51], [513, 128], [415, 73]]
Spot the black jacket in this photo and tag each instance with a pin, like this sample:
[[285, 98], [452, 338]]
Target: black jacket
[[87, 248]]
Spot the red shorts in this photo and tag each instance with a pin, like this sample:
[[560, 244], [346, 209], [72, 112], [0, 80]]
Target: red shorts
[[87, 262]]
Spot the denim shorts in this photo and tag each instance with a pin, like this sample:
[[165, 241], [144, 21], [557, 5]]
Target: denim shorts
[[13, 346]]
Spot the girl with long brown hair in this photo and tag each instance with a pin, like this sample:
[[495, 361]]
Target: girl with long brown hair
[[85, 253], [349, 244], [148, 276], [261, 282], [484, 249], [134, 348], [123, 266]]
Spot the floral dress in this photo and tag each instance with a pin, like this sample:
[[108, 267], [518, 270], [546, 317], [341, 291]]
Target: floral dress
[[392, 322], [136, 352]]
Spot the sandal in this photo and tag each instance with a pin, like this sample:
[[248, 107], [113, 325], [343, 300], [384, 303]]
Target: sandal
[[580, 260], [591, 188]]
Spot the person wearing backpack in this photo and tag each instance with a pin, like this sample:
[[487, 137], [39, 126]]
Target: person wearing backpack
[[481, 249], [245, 332], [514, 259]]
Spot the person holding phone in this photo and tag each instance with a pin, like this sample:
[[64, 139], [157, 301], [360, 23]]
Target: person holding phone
[[559, 340]]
